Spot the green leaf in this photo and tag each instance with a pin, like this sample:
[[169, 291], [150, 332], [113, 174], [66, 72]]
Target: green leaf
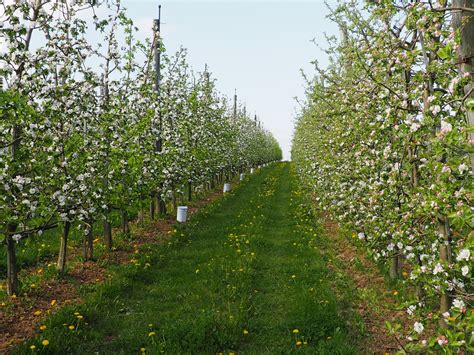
[[470, 104], [445, 52]]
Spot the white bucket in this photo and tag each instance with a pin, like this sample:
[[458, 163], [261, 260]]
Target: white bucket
[[252, 170], [242, 176], [226, 187], [182, 214]]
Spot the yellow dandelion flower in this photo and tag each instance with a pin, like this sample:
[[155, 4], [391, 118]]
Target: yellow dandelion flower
[[79, 317], [43, 327], [246, 332], [293, 276], [76, 313], [37, 313], [295, 331], [151, 334], [33, 347], [299, 343], [395, 293], [13, 296], [53, 303], [45, 342], [150, 325], [32, 286], [71, 327], [142, 350]]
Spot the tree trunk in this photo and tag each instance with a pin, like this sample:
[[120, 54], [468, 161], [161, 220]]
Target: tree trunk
[[107, 233], [162, 207], [141, 216], [445, 258], [464, 21], [125, 223], [63, 248], [152, 206], [190, 190], [88, 244], [161, 202], [12, 267], [175, 206], [395, 267]]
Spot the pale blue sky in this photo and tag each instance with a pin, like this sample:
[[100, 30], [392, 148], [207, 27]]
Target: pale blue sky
[[257, 47]]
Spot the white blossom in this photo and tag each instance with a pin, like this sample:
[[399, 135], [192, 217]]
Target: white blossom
[[418, 327]]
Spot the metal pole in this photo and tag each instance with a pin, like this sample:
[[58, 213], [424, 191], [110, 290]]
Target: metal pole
[[159, 141], [235, 104], [157, 52]]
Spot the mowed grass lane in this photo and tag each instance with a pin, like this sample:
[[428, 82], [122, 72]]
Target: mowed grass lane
[[244, 276]]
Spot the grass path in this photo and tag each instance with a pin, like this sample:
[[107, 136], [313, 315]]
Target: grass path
[[244, 276]]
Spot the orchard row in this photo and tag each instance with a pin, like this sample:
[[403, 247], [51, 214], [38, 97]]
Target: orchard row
[[383, 143], [94, 121]]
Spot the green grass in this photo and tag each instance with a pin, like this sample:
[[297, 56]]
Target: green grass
[[250, 262]]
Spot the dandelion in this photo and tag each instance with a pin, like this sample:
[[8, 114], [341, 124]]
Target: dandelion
[[151, 334], [395, 293], [43, 327], [293, 276], [45, 342], [142, 350], [80, 317], [299, 343], [150, 325], [37, 313], [246, 332], [71, 327], [53, 303], [33, 347], [295, 331]]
